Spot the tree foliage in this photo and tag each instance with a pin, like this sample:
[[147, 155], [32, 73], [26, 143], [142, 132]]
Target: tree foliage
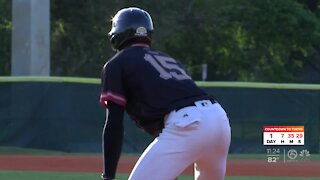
[[248, 40], [78, 36], [80, 45], [5, 36], [245, 40]]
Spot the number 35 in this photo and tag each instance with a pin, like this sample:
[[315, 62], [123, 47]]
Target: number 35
[[167, 67]]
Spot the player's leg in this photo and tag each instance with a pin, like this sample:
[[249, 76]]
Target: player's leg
[[189, 135], [206, 169], [159, 164], [212, 163], [173, 151]]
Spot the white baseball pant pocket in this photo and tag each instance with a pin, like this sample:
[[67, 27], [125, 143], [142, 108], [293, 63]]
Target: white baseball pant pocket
[[185, 118]]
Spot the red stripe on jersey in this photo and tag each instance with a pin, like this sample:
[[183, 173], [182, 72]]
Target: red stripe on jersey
[[111, 96]]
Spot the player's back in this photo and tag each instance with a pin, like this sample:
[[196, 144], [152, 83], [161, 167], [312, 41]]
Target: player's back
[[155, 83]]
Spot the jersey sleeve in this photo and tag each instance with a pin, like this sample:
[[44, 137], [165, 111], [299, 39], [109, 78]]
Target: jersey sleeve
[[112, 85]]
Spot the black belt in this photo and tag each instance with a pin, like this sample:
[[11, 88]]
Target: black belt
[[193, 104]]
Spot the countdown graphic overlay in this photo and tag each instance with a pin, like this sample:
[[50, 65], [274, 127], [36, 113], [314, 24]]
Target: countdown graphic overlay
[[283, 135]]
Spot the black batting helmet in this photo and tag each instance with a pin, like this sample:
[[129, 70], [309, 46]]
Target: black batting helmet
[[130, 25]]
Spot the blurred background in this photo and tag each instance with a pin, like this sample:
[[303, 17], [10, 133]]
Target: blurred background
[[240, 40], [250, 49]]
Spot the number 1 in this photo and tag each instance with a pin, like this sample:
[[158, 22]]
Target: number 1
[[167, 67]]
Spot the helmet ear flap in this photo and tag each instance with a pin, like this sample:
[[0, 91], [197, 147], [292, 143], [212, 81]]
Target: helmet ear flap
[[112, 40]]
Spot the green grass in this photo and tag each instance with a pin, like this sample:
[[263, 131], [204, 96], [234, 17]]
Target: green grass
[[54, 79], [35, 175], [263, 85], [16, 150], [267, 178], [313, 157], [32, 175], [237, 84], [4, 150]]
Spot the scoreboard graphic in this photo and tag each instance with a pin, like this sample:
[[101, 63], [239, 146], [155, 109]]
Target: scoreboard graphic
[[283, 135]]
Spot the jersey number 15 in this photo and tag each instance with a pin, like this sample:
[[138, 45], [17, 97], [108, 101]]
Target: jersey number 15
[[167, 67]]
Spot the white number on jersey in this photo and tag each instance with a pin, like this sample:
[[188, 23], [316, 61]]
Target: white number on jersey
[[167, 67]]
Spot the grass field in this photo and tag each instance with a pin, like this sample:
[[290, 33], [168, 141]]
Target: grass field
[[37, 175], [16, 150], [28, 175]]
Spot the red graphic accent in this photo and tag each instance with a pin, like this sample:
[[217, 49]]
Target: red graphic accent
[[283, 129], [114, 97]]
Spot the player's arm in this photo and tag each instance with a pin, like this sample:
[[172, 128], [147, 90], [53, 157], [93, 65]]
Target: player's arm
[[112, 140]]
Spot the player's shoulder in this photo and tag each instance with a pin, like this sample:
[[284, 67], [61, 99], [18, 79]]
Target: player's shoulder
[[114, 60], [121, 57], [131, 54], [111, 63]]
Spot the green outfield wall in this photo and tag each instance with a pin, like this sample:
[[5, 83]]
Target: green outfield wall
[[63, 113]]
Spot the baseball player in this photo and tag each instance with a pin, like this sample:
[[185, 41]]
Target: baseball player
[[189, 126]]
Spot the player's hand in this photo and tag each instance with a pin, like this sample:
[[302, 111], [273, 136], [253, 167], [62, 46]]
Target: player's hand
[[107, 178]]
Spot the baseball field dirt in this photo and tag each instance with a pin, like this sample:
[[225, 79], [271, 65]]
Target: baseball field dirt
[[93, 163]]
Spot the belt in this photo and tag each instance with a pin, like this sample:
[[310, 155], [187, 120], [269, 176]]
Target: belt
[[193, 104]]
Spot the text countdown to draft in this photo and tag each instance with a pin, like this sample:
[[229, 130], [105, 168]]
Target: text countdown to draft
[[283, 135]]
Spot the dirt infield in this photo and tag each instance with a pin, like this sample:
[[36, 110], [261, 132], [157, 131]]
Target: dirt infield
[[94, 164]]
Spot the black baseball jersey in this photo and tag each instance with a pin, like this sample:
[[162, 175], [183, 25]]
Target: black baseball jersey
[[147, 83]]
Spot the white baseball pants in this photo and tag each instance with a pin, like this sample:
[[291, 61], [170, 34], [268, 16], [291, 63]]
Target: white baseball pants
[[196, 134]]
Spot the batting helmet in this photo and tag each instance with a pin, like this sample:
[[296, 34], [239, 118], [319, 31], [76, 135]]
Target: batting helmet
[[130, 25]]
